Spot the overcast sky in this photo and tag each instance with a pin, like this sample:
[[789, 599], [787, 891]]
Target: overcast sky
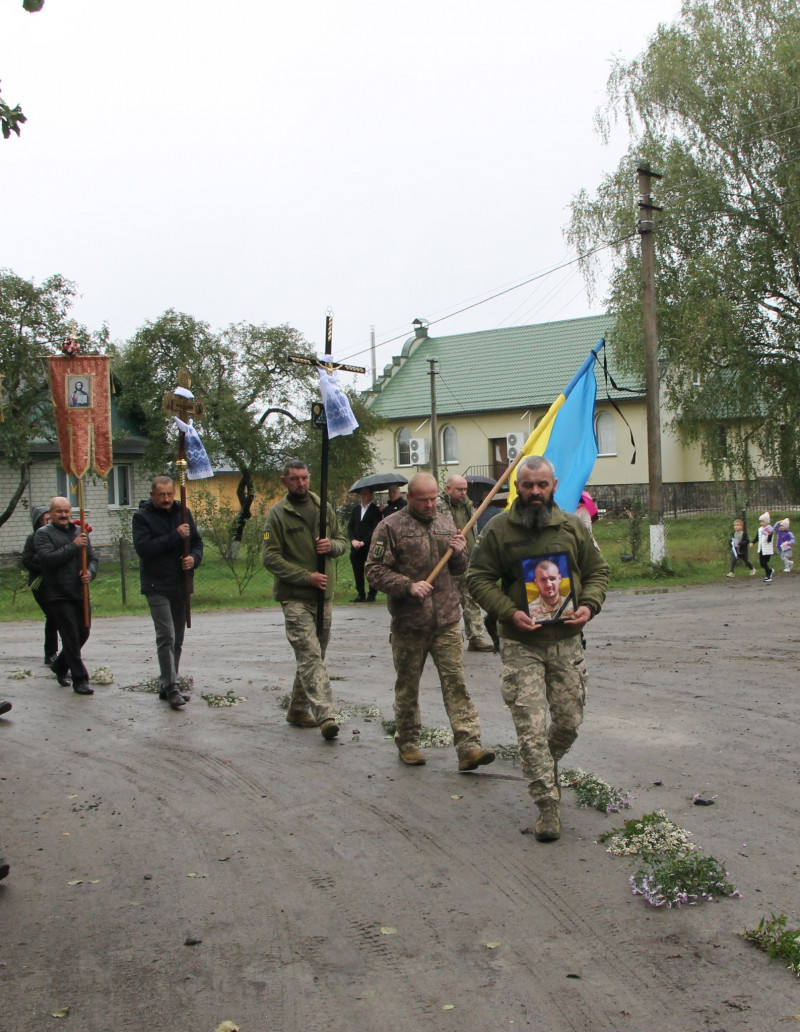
[[265, 161]]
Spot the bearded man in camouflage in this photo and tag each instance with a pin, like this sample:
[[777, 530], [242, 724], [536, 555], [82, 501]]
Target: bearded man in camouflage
[[425, 619], [543, 664]]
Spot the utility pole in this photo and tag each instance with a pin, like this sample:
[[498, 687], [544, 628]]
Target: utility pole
[[651, 374], [372, 353], [434, 428]]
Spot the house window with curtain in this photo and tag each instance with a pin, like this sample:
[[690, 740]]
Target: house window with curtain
[[119, 486], [403, 447], [449, 444], [67, 486], [606, 431]]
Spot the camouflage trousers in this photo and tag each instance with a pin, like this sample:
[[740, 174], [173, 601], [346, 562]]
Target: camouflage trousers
[[409, 651], [538, 677], [311, 691], [473, 618]]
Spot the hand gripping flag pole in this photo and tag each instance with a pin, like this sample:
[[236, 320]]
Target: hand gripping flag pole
[[182, 406], [565, 436], [336, 419], [80, 388]]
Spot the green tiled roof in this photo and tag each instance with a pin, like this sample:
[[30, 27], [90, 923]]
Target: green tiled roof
[[492, 370]]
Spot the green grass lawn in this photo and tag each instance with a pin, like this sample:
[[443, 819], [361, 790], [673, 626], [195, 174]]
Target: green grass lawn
[[697, 553]]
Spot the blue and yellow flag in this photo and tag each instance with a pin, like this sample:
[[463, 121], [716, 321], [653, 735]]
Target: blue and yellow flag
[[566, 436]]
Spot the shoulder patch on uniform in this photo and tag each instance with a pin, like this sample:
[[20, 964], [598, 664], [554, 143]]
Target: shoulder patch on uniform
[[379, 548]]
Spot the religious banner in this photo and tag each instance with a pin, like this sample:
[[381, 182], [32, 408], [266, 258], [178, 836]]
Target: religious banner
[[80, 387]]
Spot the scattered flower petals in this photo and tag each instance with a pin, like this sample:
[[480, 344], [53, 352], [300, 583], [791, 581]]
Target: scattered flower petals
[[449, 1006], [227, 1026], [388, 930], [491, 945], [456, 797], [194, 874], [62, 1012]]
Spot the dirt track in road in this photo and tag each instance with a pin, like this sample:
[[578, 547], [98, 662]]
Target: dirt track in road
[[333, 889]]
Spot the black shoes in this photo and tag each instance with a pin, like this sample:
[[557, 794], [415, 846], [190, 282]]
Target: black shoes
[[372, 596], [165, 694], [359, 598], [5, 706], [174, 698], [5, 867], [63, 679], [82, 688]]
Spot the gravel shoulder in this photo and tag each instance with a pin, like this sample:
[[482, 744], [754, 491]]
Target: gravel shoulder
[[332, 889]]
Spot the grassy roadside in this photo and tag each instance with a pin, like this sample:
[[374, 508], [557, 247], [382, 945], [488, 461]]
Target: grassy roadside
[[697, 551]]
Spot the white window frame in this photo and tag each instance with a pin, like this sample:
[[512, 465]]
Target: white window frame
[[607, 438], [449, 428], [402, 438], [125, 471], [67, 486]]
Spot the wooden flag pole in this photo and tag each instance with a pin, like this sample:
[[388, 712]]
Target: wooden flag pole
[[184, 405], [504, 476], [84, 563], [323, 489]]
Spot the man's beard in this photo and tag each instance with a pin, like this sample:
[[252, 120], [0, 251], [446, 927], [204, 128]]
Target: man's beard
[[298, 499], [535, 517]]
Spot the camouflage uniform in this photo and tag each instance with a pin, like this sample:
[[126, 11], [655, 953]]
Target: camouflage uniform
[[290, 554], [542, 669], [405, 548], [461, 513]]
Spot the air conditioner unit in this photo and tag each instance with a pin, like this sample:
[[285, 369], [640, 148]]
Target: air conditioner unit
[[420, 448], [514, 444]]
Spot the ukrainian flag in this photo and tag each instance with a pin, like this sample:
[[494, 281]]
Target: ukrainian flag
[[566, 436]]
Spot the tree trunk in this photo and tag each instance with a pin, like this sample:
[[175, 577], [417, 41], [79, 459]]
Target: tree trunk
[[23, 483], [245, 492]]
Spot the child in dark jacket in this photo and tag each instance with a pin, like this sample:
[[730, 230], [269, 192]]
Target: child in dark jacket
[[739, 544]]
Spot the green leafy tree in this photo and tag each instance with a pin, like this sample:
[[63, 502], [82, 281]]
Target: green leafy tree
[[251, 389], [33, 324], [712, 104]]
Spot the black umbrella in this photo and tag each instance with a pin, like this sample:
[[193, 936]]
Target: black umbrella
[[477, 478], [378, 481]]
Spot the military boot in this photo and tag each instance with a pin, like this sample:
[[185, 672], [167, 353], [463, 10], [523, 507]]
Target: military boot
[[548, 827]]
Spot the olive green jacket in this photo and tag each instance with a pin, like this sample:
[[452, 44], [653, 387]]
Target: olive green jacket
[[494, 578], [461, 514], [290, 551]]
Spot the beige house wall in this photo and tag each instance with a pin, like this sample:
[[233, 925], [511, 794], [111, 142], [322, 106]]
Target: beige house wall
[[680, 463]]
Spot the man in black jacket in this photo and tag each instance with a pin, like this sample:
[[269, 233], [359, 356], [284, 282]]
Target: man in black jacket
[[59, 546], [159, 533], [364, 518]]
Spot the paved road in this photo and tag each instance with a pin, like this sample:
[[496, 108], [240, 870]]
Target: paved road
[[333, 889]]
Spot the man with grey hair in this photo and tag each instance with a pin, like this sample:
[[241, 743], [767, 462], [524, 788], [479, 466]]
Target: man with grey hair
[[543, 664], [161, 531], [292, 547], [454, 501]]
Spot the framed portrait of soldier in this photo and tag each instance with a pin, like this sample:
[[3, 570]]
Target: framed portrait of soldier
[[549, 587]]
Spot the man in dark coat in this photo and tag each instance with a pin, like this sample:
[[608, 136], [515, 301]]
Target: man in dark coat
[[364, 518], [59, 546], [159, 533]]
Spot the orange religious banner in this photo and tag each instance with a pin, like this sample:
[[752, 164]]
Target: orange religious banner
[[80, 387]]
